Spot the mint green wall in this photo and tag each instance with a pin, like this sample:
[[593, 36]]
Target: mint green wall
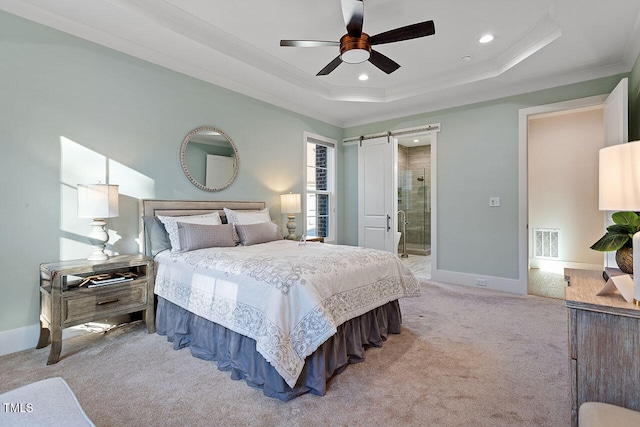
[[477, 157], [634, 102], [72, 111]]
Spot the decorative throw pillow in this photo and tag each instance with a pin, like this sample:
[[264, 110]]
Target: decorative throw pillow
[[246, 217], [171, 225], [156, 236], [199, 236], [252, 234]]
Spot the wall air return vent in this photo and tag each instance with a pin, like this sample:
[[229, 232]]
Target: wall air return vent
[[545, 241]]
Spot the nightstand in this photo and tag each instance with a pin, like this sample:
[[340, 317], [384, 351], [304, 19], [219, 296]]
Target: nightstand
[[315, 239], [64, 303]]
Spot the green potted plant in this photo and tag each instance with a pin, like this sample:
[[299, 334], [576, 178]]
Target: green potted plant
[[619, 238]]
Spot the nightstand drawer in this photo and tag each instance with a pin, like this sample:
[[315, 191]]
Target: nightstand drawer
[[94, 304]]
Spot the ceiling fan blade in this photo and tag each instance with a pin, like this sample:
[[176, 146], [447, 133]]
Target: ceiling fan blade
[[330, 67], [308, 43], [409, 32], [353, 13], [383, 62]]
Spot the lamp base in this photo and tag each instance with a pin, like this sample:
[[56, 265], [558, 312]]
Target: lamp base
[[291, 226], [98, 239], [98, 255]]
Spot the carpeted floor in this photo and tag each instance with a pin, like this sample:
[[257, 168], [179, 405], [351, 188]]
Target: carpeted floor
[[465, 357]]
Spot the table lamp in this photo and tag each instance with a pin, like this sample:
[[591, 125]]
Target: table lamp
[[619, 190], [98, 201], [290, 204]]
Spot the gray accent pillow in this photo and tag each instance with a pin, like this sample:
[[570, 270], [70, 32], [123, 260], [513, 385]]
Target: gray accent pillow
[[245, 217], [252, 234], [200, 236], [156, 237], [171, 225]]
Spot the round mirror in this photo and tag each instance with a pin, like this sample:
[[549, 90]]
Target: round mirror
[[209, 158]]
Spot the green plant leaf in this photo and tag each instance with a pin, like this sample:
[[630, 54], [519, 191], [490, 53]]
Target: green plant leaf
[[610, 242], [620, 229], [625, 218], [619, 234]]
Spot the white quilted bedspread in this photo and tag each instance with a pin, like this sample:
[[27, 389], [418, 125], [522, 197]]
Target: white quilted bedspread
[[288, 298]]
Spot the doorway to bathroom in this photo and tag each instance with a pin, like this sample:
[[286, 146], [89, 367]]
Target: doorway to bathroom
[[407, 211], [414, 200]]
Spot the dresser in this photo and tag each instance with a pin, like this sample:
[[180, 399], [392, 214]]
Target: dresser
[[604, 344]]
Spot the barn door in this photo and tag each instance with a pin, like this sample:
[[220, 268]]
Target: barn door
[[377, 193]]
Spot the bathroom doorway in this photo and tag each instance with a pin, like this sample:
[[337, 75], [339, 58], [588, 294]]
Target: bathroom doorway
[[414, 194], [414, 167]]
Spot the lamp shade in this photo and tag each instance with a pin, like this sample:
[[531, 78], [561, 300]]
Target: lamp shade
[[619, 177], [290, 203], [97, 201]]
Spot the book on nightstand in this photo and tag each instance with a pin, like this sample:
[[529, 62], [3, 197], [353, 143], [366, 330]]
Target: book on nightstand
[[111, 281]]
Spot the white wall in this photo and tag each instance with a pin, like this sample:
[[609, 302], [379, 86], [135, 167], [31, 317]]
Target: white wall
[[563, 182]]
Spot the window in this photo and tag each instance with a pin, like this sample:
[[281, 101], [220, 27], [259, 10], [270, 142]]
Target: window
[[320, 177]]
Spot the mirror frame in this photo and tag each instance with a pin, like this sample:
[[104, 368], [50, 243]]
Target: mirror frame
[[183, 162]]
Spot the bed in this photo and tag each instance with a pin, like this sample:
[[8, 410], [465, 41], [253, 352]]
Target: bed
[[283, 316]]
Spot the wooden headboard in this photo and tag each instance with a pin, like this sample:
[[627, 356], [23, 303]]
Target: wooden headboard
[[152, 207]]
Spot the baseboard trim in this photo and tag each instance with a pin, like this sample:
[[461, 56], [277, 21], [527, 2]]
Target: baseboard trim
[[19, 339], [26, 338], [559, 266], [493, 283]]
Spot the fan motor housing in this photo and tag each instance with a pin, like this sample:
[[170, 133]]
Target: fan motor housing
[[354, 50]]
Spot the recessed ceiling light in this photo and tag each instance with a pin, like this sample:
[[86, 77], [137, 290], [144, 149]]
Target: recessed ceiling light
[[363, 77], [487, 38], [466, 58], [416, 140]]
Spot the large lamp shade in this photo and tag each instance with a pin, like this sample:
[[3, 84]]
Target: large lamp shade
[[620, 177], [97, 201], [290, 203]]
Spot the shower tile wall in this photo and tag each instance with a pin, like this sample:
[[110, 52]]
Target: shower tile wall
[[403, 161], [413, 196]]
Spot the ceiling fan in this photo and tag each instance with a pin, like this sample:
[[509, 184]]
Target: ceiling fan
[[355, 46]]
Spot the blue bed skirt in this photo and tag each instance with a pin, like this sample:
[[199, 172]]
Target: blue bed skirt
[[237, 353]]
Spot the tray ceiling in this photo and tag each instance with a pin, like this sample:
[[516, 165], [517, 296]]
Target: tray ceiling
[[538, 44]]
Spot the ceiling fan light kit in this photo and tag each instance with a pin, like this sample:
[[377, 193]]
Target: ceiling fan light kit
[[354, 50], [355, 46]]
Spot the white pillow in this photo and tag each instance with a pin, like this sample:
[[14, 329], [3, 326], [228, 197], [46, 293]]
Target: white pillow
[[171, 225], [247, 217]]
